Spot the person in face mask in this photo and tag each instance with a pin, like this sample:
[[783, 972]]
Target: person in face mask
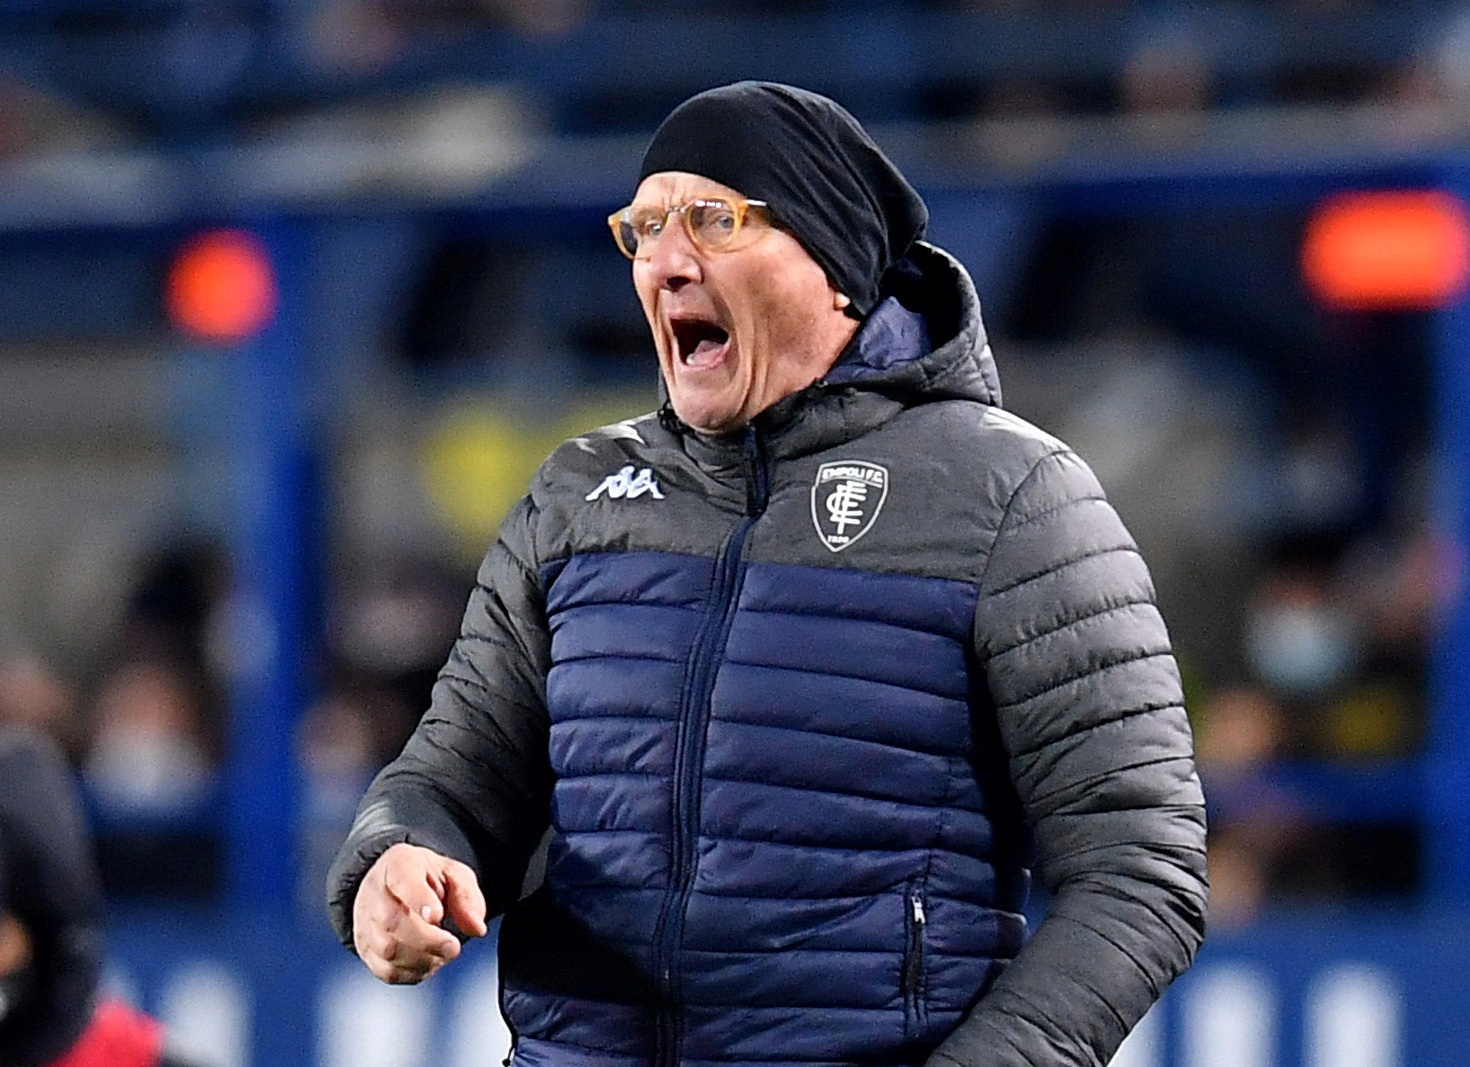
[[1296, 642]]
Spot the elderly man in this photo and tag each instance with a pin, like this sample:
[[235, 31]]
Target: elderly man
[[796, 676]]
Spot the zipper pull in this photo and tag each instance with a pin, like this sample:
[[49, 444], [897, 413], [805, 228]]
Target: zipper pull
[[918, 903]]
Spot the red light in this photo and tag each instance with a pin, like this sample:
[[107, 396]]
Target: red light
[[1388, 251], [221, 287]]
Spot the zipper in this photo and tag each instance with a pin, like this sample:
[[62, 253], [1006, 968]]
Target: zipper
[[757, 475], [689, 744], [915, 920]]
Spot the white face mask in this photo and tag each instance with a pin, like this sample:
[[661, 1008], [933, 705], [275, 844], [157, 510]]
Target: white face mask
[[1301, 651], [147, 771]]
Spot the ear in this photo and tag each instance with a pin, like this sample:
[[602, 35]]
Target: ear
[[841, 300]]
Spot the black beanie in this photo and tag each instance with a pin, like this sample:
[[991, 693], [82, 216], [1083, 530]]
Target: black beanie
[[826, 181]]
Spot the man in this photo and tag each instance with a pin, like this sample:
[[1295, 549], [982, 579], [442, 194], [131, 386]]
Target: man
[[51, 924], [795, 673]]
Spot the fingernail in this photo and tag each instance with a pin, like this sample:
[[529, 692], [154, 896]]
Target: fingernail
[[426, 911]]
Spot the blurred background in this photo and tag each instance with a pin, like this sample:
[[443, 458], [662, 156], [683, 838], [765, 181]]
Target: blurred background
[[295, 294]]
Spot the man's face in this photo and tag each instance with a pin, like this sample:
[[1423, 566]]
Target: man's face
[[739, 329]]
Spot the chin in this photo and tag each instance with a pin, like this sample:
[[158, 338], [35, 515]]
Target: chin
[[708, 421]]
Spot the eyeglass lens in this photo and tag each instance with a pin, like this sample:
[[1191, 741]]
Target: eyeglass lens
[[710, 224]]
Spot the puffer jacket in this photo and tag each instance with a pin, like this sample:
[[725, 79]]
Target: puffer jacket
[[795, 708]]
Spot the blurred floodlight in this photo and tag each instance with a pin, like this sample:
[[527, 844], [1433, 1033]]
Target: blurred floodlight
[[1354, 1019], [207, 1011], [1230, 1019], [479, 1033], [221, 287], [1388, 251], [365, 1023]]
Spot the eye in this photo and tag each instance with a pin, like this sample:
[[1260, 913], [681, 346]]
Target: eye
[[646, 224], [712, 220]]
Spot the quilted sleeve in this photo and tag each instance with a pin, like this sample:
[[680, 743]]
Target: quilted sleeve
[[1090, 710], [474, 780]]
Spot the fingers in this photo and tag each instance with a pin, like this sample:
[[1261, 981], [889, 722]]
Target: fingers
[[403, 967], [463, 898], [407, 971], [396, 915]]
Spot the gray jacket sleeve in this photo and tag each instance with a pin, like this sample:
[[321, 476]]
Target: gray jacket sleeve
[[474, 780], [1091, 716]]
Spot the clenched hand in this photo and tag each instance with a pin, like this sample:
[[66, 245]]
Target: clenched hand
[[404, 897]]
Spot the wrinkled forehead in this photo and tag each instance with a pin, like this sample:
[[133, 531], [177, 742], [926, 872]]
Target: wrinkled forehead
[[670, 187]]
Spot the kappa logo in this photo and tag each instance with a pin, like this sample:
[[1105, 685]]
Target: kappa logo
[[625, 485], [846, 499]]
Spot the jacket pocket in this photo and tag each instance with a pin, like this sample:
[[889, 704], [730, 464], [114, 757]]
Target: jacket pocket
[[916, 922]]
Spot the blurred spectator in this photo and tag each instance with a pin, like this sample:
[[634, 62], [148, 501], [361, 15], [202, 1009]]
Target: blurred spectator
[[340, 743], [1242, 732], [393, 623], [33, 695], [343, 740], [177, 586], [151, 780], [163, 665], [147, 755], [1403, 586], [1238, 877], [1298, 641], [1339, 629], [1336, 637], [1395, 586]]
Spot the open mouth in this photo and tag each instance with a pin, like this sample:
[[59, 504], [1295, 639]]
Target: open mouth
[[699, 343]]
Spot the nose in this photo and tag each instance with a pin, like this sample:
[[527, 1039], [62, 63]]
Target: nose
[[672, 261]]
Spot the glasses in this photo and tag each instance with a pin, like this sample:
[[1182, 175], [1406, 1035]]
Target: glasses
[[712, 225]]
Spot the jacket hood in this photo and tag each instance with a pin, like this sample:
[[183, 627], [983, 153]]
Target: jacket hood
[[925, 340]]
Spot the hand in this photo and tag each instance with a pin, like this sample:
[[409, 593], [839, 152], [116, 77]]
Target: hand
[[405, 896]]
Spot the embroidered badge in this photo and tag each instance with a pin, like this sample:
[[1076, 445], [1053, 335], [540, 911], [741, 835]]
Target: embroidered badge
[[846, 498], [627, 485]]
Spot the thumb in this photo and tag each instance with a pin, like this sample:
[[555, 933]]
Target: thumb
[[463, 899], [411, 887]]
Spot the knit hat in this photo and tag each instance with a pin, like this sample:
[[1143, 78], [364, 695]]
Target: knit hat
[[826, 181]]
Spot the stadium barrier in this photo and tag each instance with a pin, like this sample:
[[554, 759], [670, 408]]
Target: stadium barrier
[[266, 990]]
